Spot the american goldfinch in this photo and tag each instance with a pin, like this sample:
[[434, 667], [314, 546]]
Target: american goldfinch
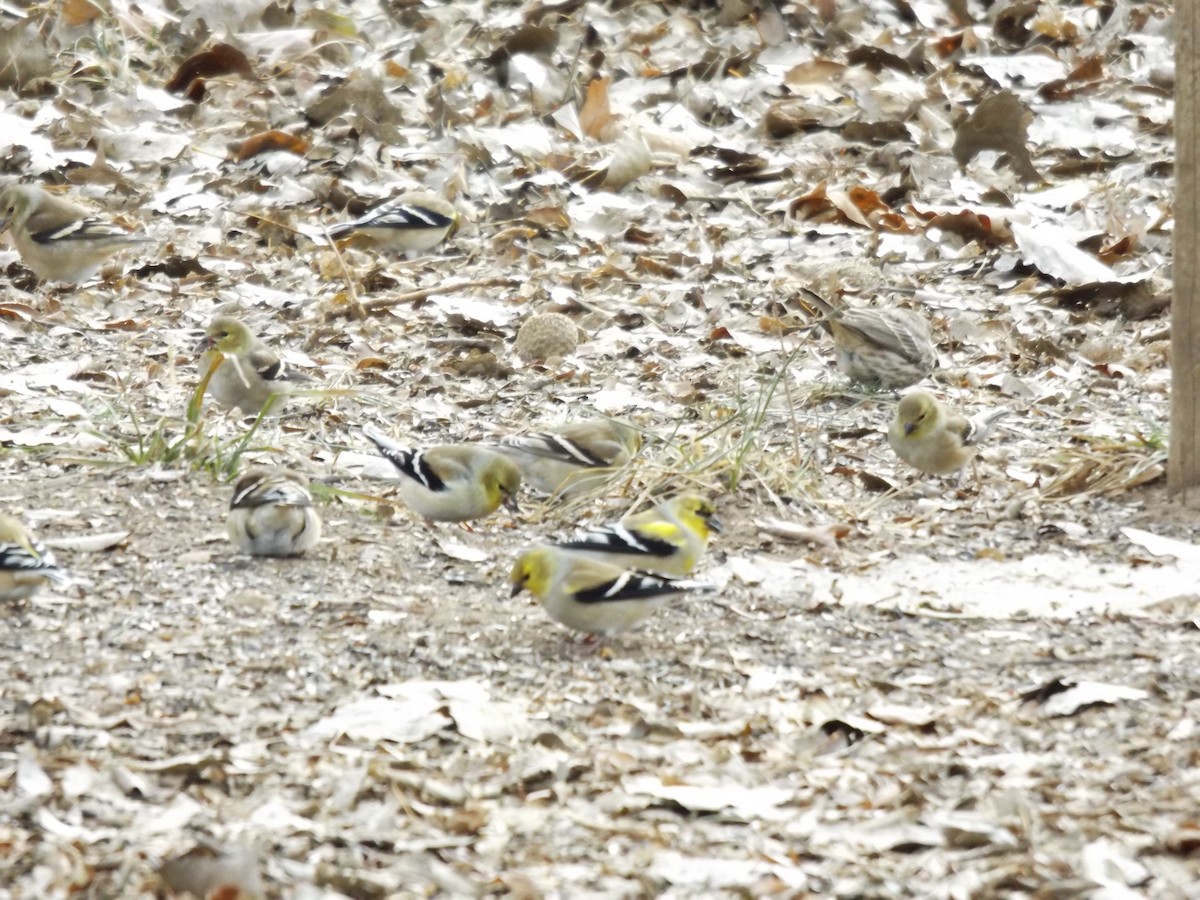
[[250, 373], [58, 240], [413, 221], [934, 440], [884, 348], [271, 513], [669, 539], [592, 596], [566, 459], [25, 565], [452, 482]]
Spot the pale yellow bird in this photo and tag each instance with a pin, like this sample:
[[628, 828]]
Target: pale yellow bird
[[250, 373], [934, 440], [414, 221], [451, 482], [26, 566], [272, 514], [574, 458], [592, 596], [58, 240], [669, 539]]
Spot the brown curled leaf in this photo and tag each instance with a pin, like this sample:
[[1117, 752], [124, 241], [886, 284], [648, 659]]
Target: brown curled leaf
[[220, 59], [270, 141]]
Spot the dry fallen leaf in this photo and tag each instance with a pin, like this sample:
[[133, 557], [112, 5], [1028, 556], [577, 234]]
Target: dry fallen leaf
[[1000, 122], [596, 116], [207, 871], [220, 59], [267, 142]]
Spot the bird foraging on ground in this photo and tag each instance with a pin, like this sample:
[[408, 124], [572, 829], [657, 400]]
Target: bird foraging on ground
[[574, 458], [935, 440], [249, 373], [414, 221], [58, 240], [880, 348], [592, 596], [271, 513], [25, 564], [451, 482], [668, 539]]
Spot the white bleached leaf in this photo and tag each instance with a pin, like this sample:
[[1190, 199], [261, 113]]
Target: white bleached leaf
[[277, 43], [77, 780], [32, 780], [728, 875], [894, 831], [630, 160], [1084, 694], [460, 551], [1184, 553], [895, 714], [525, 138], [530, 69], [473, 310], [88, 543], [472, 709], [407, 720], [65, 409], [1107, 863], [386, 616], [488, 720], [616, 400], [208, 871], [1041, 584], [567, 118], [602, 215], [969, 830], [170, 818], [762, 802], [158, 99], [19, 131], [145, 142], [1027, 69], [1052, 251]]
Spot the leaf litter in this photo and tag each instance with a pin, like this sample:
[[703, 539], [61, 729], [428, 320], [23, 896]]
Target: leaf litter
[[981, 689]]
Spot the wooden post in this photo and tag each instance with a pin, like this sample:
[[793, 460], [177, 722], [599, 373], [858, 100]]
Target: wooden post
[[1183, 466]]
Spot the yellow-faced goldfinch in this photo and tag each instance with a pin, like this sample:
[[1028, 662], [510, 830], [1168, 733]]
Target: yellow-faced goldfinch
[[592, 596], [574, 457], [25, 565], [452, 482], [249, 373], [934, 440], [414, 221], [58, 240], [669, 539], [271, 513], [882, 348]]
